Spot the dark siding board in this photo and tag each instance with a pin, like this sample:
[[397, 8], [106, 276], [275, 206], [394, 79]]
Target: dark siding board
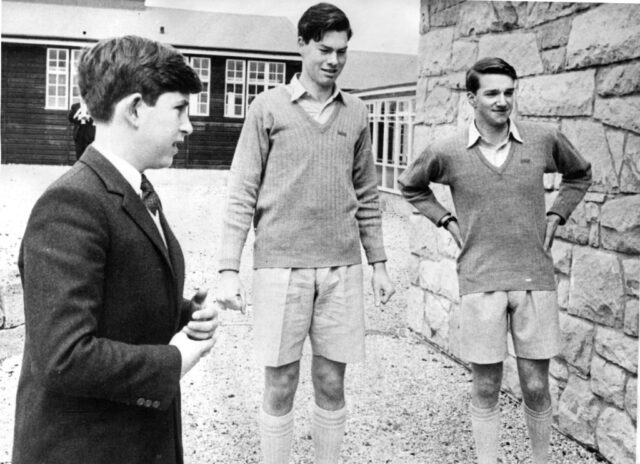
[[30, 133], [33, 134]]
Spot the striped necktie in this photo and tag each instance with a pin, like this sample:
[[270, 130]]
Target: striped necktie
[[149, 196]]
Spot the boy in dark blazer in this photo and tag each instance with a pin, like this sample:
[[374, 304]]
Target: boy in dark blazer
[[108, 332]]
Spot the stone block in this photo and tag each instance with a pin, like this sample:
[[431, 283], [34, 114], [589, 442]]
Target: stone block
[[440, 277], [415, 309], [554, 34], [561, 253], [594, 235], [608, 381], [424, 135], [424, 18], [454, 330], [565, 94], [606, 34], [453, 81], [631, 398], [616, 436], [596, 288], [440, 106], [577, 337], [555, 390], [618, 80], [563, 291], [517, 48], [465, 112], [590, 139], [543, 12], [423, 238], [630, 169], [558, 369], [510, 379], [578, 411], [595, 197], [618, 348], [620, 220], [631, 269], [477, 18], [553, 60], [619, 112], [631, 317], [443, 17], [434, 49], [576, 229], [436, 311], [465, 52]]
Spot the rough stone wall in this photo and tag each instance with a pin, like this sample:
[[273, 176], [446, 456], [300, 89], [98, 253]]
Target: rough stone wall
[[579, 68]]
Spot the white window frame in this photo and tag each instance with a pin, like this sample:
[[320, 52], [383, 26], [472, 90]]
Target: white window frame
[[57, 101], [74, 93], [237, 81], [199, 103], [395, 117], [271, 68]]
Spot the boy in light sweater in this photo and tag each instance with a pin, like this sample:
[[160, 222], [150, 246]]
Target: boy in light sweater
[[303, 171], [495, 169]]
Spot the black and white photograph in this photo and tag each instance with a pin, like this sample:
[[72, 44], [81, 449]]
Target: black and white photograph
[[292, 231]]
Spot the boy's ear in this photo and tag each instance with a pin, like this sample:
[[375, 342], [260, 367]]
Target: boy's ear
[[129, 108], [471, 97]]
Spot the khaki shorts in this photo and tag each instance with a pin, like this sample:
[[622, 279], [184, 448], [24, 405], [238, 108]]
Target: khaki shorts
[[531, 317], [324, 303]]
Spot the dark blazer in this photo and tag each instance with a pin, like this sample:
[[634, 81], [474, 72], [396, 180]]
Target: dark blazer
[[102, 299]]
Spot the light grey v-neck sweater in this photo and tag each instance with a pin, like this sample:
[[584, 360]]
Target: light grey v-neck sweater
[[310, 188], [501, 210]]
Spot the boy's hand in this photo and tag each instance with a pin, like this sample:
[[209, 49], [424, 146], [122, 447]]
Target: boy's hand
[[231, 292], [191, 350], [382, 286], [204, 319]]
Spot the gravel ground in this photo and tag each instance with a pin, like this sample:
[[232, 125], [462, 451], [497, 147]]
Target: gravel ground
[[407, 401]]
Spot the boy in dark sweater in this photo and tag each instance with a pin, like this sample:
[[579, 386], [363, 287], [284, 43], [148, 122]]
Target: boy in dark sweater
[[495, 169]]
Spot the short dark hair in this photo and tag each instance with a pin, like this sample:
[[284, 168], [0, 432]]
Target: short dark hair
[[322, 18], [490, 65], [117, 67]]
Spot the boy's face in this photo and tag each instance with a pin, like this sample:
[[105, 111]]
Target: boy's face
[[493, 102], [162, 127], [322, 61]]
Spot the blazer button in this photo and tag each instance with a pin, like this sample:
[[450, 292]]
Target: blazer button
[[148, 403], [140, 402], [156, 404]]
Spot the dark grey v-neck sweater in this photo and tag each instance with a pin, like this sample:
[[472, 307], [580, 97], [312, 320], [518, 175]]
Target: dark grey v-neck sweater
[[501, 211], [310, 188]]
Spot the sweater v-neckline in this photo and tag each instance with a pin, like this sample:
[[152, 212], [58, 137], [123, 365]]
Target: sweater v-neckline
[[497, 169], [320, 126]]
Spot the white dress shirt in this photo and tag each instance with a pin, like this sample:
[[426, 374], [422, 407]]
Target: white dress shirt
[[319, 111], [496, 154]]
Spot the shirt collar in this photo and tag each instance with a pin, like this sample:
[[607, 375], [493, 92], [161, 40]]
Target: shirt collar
[[131, 174], [298, 91], [474, 134]]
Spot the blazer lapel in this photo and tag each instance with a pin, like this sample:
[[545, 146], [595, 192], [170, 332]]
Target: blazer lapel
[[131, 203]]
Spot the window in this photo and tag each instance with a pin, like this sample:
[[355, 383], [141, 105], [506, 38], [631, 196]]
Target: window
[[391, 124], [57, 79], [199, 103], [75, 90], [262, 76], [234, 89]]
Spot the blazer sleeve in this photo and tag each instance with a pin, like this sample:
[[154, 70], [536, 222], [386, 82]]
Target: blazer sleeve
[[62, 264]]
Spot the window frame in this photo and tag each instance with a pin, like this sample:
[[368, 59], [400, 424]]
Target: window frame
[[60, 102], [235, 81], [394, 117], [204, 96]]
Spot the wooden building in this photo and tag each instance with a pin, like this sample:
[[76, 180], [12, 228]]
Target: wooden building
[[236, 56]]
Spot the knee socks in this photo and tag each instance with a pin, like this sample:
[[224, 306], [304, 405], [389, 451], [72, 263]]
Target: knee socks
[[539, 425], [327, 430], [485, 424], [276, 434]]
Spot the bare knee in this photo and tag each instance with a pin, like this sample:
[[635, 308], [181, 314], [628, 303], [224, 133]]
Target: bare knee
[[486, 384], [328, 383], [535, 392], [281, 384]]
